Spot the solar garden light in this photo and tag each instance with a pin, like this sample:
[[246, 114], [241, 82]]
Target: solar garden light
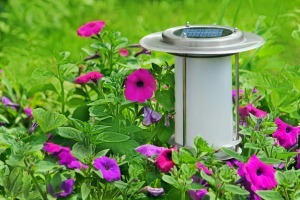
[[203, 79]]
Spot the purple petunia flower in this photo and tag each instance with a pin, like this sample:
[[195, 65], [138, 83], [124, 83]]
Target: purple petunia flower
[[66, 187], [52, 148], [90, 28], [64, 155], [2, 123], [109, 168], [33, 127], [140, 86], [150, 116], [149, 150], [256, 175], [28, 112], [198, 194], [286, 134], [6, 101]]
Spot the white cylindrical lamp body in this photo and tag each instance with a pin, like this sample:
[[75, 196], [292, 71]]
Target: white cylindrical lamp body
[[206, 109]]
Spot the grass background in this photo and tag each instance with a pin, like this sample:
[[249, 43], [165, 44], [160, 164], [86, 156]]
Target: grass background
[[31, 32]]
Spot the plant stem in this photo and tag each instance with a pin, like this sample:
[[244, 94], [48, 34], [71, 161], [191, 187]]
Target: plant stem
[[62, 96], [35, 182]]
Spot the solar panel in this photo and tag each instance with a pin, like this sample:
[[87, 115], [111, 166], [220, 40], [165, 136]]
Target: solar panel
[[203, 32]]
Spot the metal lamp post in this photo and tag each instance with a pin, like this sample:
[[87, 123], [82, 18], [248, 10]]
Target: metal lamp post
[[203, 79]]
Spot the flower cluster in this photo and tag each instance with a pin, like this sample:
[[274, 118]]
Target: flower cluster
[[89, 77], [64, 155]]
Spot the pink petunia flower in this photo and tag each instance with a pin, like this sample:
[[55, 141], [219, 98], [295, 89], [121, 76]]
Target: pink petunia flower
[[94, 76], [201, 167], [286, 134], [83, 79], [149, 150], [233, 94], [256, 175], [245, 111], [140, 86], [164, 160], [123, 52], [90, 28], [89, 77]]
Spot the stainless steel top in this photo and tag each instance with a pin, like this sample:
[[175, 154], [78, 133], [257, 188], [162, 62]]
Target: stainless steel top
[[209, 40]]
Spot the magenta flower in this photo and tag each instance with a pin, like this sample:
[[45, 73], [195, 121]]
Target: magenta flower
[[90, 28], [201, 167], [198, 194], [257, 175], [66, 187], [123, 52], [233, 94], [83, 79], [298, 159], [109, 168], [6, 101], [140, 86], [28, 112], [286, 134], [64, 155], [245, 111], [52, 148], [150, 116], [89, 77], [149, 150], [164, 160]]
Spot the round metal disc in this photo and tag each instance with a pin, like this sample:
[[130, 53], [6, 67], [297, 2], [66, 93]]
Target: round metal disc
[[202, 40]]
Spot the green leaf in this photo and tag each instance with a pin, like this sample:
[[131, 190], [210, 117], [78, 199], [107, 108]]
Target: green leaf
[[208, 178], [271, 161], [85, 189], [269, 195], [80, 151], [101, 153], [170, 180], [236, 190], [233, 154], [166, 98], [120, 184], [40, 88], [195, 186], [42, 73], [112, 137], [44, 166], [70, 133], [251, 146], [98, 111], [48, 120]]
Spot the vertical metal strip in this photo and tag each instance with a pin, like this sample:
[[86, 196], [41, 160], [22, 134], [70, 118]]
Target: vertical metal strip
[[184, 99], [237, 121]]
